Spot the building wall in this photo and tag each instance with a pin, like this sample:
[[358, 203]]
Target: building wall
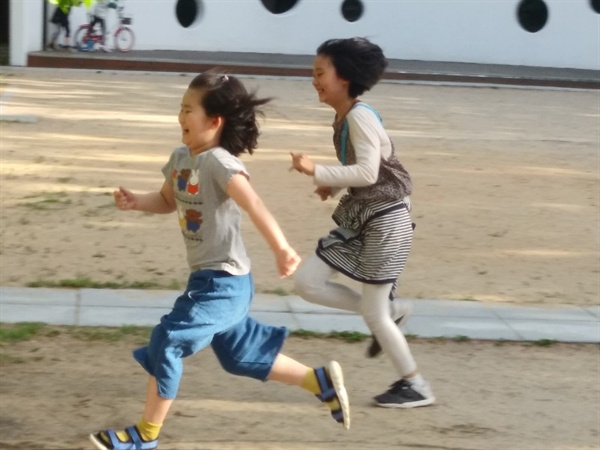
[[26, 29], [474, 31]]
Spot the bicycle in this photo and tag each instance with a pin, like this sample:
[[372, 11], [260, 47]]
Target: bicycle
[[89, 40]]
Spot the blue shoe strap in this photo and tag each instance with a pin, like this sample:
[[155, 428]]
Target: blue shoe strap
[[114, 440], [135, 436], [136, 442], [327, 391], [327, 396]]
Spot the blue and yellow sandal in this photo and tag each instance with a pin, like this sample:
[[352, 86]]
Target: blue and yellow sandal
[[331, 383], [135, 441]]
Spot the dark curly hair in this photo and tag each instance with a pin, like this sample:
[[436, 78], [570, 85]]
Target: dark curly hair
[[225, 96], [357, 60]]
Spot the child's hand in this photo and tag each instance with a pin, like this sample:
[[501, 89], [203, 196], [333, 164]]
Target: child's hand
[[287, 261], [124, 199], [324, 192], [302, 164]]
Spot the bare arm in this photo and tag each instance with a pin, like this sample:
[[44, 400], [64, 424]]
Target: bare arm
[[161, 202], [240, 190]]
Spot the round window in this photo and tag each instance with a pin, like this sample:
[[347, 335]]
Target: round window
[[352, 10], [279, 6], [188, 12], [532, 15]]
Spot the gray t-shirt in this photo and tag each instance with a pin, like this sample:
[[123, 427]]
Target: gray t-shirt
[[209, 219]]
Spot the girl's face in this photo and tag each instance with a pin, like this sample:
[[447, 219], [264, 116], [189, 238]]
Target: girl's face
[[199, 132], [332, 89]]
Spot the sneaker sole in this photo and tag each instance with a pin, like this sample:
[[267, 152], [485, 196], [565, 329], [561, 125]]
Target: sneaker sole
[[337, 378], [99, 445], [426, 402]]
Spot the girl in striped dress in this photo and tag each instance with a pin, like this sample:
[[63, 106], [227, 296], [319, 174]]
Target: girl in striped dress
[[374, 230]]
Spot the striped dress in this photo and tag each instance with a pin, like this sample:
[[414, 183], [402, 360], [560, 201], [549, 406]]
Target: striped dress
[[374, 234]]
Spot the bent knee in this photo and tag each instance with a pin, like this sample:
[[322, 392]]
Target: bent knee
[[301, 281], [374, 319], [306, 286]]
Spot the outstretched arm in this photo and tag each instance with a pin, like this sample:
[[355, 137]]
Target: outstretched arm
[[240, 190], [162, 202]]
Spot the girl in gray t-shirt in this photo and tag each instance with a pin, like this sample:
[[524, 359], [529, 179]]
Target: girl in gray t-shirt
[[206, 184]]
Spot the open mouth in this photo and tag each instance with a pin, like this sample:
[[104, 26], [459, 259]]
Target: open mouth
[[185, 134]]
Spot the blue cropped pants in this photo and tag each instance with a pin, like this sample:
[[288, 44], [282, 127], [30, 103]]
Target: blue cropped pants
[[213, 311]]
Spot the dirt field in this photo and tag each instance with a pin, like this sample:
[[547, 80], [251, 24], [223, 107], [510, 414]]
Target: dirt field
[[507, 210], [506, 193], [54, 391]]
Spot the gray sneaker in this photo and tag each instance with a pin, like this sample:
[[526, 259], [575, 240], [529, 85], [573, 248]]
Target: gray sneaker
[[402, 394]]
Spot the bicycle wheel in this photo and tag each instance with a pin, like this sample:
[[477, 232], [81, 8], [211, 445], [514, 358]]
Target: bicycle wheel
[[80, 35], [124, 39]]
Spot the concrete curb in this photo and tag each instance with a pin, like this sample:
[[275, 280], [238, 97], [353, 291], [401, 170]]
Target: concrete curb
[[431, 318]]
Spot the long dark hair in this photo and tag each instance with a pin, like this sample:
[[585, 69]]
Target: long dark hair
[[357, 60], [225, 96]]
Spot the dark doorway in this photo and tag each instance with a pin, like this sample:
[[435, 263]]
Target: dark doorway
[[4, 31]]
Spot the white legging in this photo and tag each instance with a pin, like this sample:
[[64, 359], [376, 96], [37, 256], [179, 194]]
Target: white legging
[[312, 283]]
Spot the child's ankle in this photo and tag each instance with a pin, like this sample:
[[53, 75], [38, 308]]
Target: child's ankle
[[317, 381], [148, 431]]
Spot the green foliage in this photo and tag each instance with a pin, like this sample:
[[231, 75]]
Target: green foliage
[[346, 336], [20, 332], [12, 333], [544, 342], [111, 334], [85, 282]]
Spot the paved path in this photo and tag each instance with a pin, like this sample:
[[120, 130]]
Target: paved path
[[274, 64], [431, 318]]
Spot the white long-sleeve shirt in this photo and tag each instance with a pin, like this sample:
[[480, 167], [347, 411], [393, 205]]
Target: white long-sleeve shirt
[[370, 142]]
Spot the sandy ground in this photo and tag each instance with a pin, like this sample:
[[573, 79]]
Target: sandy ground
[[506, 184], [490, 396], [507, 210]]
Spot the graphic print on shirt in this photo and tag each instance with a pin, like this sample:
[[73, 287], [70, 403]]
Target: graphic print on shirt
[[192, 186], [193, 219], [186, 186], [182, 179]]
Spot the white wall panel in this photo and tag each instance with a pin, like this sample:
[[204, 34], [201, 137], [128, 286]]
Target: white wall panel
[[474, 31]]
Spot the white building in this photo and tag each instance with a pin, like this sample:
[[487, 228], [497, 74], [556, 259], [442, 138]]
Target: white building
[[544, 33]]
